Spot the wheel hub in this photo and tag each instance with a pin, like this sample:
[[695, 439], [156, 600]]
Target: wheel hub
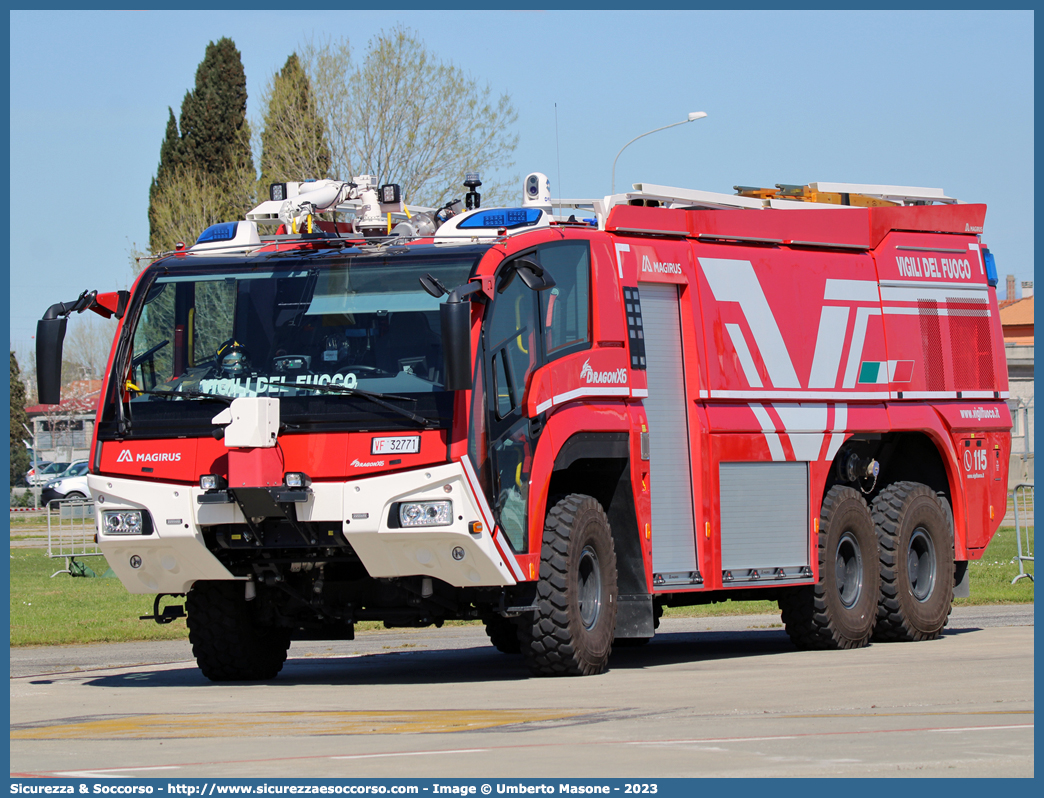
[[848, 569], [589, 587], [920, 564]]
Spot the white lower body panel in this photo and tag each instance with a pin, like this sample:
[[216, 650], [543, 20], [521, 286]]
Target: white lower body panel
[[175, 555]]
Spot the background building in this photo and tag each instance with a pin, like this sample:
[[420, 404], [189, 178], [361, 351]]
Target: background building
[[1017, 323]]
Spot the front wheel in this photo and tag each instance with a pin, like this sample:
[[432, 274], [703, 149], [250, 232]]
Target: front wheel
[[227, 642], [839, 611], [571, 632]]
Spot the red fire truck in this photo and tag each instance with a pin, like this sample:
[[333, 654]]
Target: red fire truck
[[557, 418]]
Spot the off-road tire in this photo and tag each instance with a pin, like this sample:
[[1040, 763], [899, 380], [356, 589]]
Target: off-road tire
[[839, 611], [229, 646], [915, 537], [571, 631], [503, 633]]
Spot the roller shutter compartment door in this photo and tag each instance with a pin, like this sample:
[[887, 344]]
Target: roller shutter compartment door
[[673, 532]]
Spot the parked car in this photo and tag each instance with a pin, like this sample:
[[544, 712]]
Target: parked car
[[76, 469], [40, 474], [66, 487]]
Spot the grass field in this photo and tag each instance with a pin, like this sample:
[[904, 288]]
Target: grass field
[[66, 610]]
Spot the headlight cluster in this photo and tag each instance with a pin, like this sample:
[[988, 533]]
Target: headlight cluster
[[426, 514], [122, 522]]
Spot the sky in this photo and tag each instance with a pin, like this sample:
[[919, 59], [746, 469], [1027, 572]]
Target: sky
[[937, 99]]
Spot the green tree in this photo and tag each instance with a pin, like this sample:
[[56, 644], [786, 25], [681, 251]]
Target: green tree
[[19, 454], [215, 135], [408, 117], [210, 153], [294, 143], [172, 157]]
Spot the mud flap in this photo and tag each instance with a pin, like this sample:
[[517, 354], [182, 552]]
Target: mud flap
[[634, 616]]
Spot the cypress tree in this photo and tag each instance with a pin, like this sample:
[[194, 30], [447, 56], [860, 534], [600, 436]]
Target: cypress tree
[[214, 132], [19, 454], [207, 154], [294, 143], [171, 158]]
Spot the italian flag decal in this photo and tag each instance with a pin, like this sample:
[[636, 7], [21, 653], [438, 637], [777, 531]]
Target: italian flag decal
[[881, 372]]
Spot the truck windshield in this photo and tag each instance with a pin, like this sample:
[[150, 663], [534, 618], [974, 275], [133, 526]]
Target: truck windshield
[[296, 330]]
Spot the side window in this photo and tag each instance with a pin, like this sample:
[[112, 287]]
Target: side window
[[511, 338], [564, 308]]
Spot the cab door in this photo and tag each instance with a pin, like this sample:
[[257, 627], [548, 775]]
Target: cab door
[[510, 354]]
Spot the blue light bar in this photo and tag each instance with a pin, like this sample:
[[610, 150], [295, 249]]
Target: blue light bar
[[225, 231], [991, 268], [502, 218]]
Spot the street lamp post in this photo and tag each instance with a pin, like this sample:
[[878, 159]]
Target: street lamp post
[[692, 118]]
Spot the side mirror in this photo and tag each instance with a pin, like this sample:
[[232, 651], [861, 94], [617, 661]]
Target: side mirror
[[50, 335], [455, 318], [533, 275]]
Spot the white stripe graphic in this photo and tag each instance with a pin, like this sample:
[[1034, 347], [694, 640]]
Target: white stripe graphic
[[804, 424], [892, 310], [639, 393], [476, 489], [735, 281], [852, 290], [940, 292], [830, 343], [769, 429], [750, 371], [487, 517], [855, 354], [619, 261], [505, 549], [837, 437], [978, 257], [580, 393], [768, 393]]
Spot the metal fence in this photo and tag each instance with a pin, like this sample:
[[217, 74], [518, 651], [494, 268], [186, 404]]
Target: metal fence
[[1022, 497], [71, 535]]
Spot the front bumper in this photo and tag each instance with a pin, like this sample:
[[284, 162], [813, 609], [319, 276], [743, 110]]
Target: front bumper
[[175, 555]]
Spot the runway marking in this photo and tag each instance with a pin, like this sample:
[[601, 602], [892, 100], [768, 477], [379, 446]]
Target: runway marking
[[531, 746], [287, 724], [706, 740], [103, 772], [413, 753]]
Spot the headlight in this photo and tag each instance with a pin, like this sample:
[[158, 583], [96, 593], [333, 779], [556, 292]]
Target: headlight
[[426, 514], [122, 522]]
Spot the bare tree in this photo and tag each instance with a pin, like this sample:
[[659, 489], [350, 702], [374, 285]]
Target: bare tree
[[87, 346], [410, 118]]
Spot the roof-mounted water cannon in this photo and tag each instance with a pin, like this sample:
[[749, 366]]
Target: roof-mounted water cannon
[[295, 204], [373, 218]]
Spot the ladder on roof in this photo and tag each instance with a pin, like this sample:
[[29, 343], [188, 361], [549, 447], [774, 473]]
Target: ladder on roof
[[783, 196], [857, 195]]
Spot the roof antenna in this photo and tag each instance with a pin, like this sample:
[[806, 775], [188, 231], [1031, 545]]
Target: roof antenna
[[558, 158]]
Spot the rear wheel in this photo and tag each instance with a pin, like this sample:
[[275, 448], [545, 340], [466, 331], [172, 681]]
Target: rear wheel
[[915, 532], [571, 632], [839, 611], [227, 642]]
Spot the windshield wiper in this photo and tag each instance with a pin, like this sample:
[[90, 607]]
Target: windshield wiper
[[376, 398], [187, 393]]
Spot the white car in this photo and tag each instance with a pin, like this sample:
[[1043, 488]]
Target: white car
[[66, 487]]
